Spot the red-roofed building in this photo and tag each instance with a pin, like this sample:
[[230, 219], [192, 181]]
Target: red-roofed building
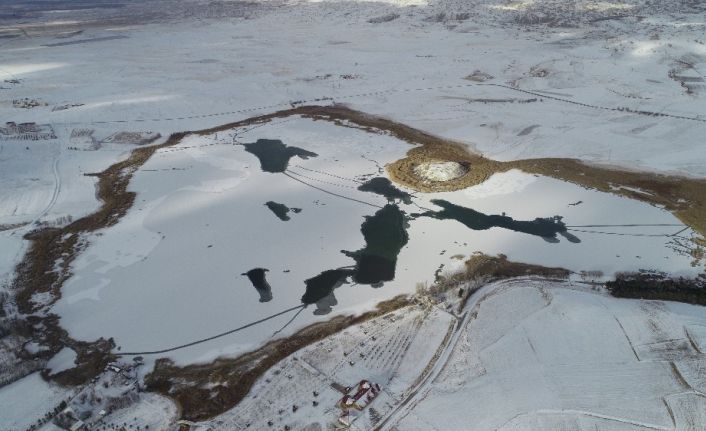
[[365, 393]]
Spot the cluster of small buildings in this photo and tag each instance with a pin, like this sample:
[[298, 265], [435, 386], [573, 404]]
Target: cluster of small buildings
[[69, 420], [27, 103], [26, 131], [364, 394], [82, 139]]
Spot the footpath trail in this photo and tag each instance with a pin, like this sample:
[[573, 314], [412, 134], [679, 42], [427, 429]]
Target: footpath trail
[[328, 99]]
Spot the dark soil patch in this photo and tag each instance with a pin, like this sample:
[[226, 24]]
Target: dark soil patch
[[498, 267]]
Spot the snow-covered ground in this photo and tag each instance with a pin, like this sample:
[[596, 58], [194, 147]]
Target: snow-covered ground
[[511, 80], [172, 76], [544, 355], [26, 401]]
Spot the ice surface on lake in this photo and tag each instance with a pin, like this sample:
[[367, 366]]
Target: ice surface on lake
[[171, 271]]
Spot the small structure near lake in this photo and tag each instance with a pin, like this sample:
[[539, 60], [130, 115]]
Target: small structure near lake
[[351, 403]]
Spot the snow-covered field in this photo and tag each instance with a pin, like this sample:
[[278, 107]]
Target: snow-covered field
[[26, 401], [540, 355], [408, 68], [511, 80]]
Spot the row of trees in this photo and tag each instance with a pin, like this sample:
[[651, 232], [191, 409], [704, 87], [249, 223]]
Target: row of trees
[[657, 285]]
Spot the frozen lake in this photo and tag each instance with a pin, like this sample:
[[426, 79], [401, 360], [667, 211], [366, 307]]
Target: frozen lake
[[218, 239]]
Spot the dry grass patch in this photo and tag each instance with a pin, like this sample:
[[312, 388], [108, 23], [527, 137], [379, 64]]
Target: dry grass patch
[[497, 267]]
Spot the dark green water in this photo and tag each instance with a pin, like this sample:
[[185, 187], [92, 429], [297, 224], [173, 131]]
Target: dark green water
[[274, 155], [385, 234], [259, 282], [281, 210], [321, 286], [384, 187], [547, 228]]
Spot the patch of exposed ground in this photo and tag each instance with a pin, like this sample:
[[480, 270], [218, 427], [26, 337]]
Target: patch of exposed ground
[[226, 381], [488, 268], [498, 267], [481, 269]]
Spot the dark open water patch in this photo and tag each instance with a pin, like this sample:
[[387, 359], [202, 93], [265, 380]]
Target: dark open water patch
[[259, 282], [281, 210], [384, 187], [546, 228], [274, 155], [385, 234], [319, 289]]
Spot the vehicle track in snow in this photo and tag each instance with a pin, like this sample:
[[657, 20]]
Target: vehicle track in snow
[[402, 409], [605, 108], [55, 192], [318, 100]]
